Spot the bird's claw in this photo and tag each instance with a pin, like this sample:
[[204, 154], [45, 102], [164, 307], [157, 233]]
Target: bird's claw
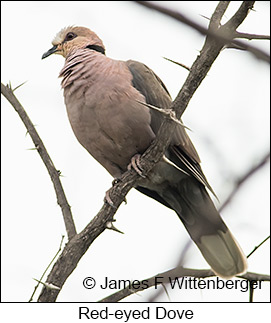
[[135, 164], [108, 200], [107, 197]]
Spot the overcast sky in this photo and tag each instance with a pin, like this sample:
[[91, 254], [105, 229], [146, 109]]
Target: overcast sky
[[229, 118]]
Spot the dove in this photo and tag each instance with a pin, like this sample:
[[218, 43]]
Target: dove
[[107, 105]]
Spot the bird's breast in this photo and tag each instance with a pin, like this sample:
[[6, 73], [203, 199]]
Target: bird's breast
[[107, 119]]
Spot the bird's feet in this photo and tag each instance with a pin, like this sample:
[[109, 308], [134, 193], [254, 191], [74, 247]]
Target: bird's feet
[[135, 164], [108, 200], [107, 197]]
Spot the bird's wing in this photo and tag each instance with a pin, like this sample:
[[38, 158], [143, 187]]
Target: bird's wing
[[181, 151]]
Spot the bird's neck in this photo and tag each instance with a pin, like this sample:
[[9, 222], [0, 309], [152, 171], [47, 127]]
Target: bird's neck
[[98, 71]]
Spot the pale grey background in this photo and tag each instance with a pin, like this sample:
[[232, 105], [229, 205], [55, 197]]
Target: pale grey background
[[229, 116]]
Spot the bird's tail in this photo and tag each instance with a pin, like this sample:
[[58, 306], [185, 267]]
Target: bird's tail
[[207, 229]]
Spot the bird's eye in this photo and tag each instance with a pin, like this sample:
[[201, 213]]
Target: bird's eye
[[70, 36]]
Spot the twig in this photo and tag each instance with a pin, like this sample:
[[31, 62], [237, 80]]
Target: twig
[[215, 21], [248, 36], [18, 86], [76, 248], [246, 5], [54, 174], [251, 291], [243, 46], [235, 21], [49, 286], [180, 64], [155, 281], [178, 272], [167, 113], [78, 245], [180, 263], [258, 246], [40, 280], [242, 179], [233, 193]]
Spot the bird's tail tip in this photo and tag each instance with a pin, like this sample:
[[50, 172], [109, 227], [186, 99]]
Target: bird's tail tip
[[223, 254]]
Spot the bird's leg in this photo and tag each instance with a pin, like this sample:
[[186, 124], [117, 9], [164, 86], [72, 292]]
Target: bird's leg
[[135, 164]]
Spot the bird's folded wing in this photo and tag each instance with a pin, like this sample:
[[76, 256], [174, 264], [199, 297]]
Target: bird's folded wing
[[181, 151]]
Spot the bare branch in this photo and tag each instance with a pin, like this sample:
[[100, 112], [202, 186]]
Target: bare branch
[[18, 86], [251, 36], [76, 248], [239, 183], [224, 37], [40, 280], [235, 21], [180, 64], [167, 113], [219, 12], [79, 244], [54, 174], [244, 178], [178, 272], [251, 291], [258, 246], [175, 15]]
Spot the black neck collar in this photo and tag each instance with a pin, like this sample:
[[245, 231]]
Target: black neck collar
[[98, 48]]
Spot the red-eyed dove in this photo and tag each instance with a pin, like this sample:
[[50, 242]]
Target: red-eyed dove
[[103, 98]]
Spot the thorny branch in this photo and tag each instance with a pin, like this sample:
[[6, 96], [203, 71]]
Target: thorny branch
[[258, 246], [79, 243], [41, 278], [250, 36], [260, 54], [243, 179], [238, 184], [172, 274], [54, 174]]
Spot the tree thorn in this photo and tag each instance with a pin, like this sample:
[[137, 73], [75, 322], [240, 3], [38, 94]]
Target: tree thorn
[[110, 226]]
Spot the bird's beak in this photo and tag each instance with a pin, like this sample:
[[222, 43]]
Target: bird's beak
[[49, 52]]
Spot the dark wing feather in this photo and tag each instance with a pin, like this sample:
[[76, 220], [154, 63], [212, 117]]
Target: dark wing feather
[[181, 151], [152, 88]]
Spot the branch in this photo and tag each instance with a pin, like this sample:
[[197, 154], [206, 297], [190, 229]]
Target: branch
[[54, 174], [239, 183], [76, 248], [244, 178], [224, 37], [175, 15], [177, 63], [235, 21], [171, 275], [234, 192], [258, 246], [215, 22], [211, 49], [40, 280], [251, 36], [78, 245]]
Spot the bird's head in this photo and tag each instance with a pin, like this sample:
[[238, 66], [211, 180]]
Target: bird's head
[[71, 38]]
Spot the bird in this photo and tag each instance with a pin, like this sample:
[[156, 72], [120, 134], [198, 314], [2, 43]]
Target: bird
[[108, 106]]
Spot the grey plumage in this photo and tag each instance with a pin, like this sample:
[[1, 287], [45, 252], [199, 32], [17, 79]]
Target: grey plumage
[[103, 98]]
